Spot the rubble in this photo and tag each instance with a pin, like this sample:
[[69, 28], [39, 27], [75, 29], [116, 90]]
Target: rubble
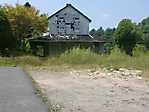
[[121, 73]]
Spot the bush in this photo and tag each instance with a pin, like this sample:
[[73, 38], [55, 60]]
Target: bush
[[79, 56], [146, 41], [7, 40], [108, 47], [126, 36]]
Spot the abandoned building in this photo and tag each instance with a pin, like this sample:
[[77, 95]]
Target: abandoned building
[[68, 28]]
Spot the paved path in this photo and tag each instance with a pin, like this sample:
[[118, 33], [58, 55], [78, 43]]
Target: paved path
[[17, 92]]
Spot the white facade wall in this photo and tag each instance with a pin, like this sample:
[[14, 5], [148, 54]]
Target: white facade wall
[[70, 22]]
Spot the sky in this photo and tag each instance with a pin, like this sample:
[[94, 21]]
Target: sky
[[105, 13]]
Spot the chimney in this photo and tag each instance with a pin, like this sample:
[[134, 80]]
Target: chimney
[[68, 4]]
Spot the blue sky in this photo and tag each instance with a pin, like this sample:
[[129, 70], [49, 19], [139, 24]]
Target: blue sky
[[106, 13]]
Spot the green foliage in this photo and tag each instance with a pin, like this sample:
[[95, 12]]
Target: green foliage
[[138, 50], [78, 56], [108, 34], [92, 32], [27, 4], [25, 22], [21, 61], [99, 32], [146, 40], [108, 47], [126, 36], [116, 59], [7, 40], [85, 58], [104, 34], [144, 25]]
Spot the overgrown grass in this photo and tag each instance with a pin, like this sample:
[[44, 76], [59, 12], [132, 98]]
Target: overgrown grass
[[140, 60], [81, 57]]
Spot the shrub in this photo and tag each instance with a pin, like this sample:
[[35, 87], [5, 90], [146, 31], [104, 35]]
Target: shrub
[[146, 41], [79, 56], [7, 40], [126, 36]]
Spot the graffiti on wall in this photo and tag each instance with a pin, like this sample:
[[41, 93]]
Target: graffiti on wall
[[67, 23]]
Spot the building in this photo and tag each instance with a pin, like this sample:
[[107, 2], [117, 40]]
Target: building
[[67, 27], [69, 21]]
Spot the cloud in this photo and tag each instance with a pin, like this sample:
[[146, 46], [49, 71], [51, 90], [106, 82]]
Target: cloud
[[105, 15]]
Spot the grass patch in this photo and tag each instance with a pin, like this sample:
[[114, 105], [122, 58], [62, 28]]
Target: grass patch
[[85, 58], [116, 59], [21, 61]]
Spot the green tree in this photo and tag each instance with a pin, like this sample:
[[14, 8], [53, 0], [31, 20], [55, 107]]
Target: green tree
[[108, 35], [92, 32], [109, 32], [27, 4], [126, 36], [144, 25], [99, 32], [146, 41], [26, 21], [7, 40]]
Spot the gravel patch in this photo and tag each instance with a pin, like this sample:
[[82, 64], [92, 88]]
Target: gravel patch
[[100, 90]]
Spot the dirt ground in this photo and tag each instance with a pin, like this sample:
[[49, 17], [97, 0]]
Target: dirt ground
[[92, 91]]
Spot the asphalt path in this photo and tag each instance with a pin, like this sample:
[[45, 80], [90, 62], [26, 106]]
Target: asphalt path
[[17, 93]]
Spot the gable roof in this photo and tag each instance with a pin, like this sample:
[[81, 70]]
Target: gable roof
[[69, 5]]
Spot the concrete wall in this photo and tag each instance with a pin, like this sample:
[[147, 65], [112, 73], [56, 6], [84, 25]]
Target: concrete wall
[[69, 21]]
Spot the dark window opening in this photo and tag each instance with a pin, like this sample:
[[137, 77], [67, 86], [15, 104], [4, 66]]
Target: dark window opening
[[76, 18], [72, 26]]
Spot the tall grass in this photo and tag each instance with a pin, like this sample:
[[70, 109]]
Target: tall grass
[[20, 61], [140, 60], [116, 59], [77, 56]]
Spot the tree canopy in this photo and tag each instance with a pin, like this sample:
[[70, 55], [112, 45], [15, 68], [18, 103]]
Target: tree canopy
[[126, 36], [27, 4], [25, 21], [7, 40], [144, 25], [101, 33], [92, 32]]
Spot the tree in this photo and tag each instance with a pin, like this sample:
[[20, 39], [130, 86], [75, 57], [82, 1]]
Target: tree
[[109, 31], [126, 36], [144, 25], [26, 21], [108, 35], [99, 32], [146, 40], [27, 4], [7, 40], [92, 32]]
